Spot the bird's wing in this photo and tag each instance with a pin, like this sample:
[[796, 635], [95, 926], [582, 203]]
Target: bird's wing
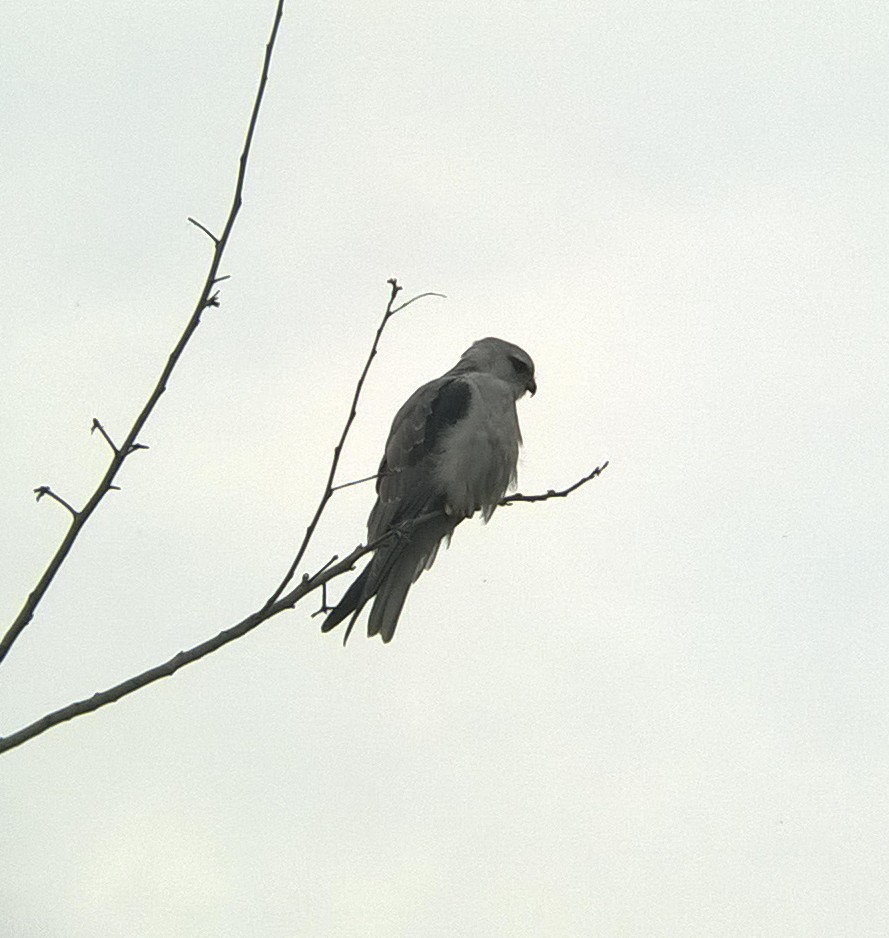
[[407, 485], [408, 498]]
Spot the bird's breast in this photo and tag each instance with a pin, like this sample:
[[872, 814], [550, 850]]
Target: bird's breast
[[477, 460]]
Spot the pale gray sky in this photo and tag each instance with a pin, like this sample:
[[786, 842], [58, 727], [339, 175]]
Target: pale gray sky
[[658, 708]]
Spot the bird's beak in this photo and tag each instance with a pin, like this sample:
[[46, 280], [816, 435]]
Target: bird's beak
[[532, 387]]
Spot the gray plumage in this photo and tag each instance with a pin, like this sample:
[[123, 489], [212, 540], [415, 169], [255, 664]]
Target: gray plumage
[[452, 451]]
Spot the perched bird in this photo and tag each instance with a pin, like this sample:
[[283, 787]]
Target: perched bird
[[452, 451]]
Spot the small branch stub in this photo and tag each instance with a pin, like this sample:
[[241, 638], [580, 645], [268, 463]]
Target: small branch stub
[[42, 490], [98, 426], [206, 230]]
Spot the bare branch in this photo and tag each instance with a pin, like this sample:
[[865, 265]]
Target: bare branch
[[170, 667], [309, 583], [129, 444], [329, 487], [551, 493]]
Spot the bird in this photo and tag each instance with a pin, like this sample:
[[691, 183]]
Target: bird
[[452, 451]]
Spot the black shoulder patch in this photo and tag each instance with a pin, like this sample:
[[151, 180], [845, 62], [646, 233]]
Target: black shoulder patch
[[449, 405]]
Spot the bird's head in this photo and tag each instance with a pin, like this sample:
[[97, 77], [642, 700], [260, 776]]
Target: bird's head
[[503, 360]]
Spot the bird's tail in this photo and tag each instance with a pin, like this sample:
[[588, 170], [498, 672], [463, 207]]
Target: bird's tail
[[352, 602], [388, 577], [410, 556]]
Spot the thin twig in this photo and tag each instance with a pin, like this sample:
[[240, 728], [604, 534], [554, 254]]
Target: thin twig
[[98, 426], [206, 230], [551, 493], [42, 490], [129, 444], [413, 299], [345, 485], [329, 487]]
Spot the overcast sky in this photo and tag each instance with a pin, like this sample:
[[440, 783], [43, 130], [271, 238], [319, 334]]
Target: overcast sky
[[656, 708]]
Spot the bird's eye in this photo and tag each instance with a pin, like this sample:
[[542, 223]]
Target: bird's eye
[[521, 368]]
